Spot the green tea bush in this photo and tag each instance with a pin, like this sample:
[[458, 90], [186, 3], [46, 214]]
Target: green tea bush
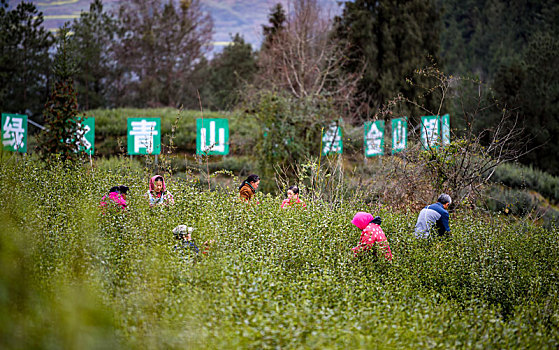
[[513, 201], [72, 275], [242, 165]]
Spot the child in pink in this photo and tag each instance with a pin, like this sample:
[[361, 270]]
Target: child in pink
[[292, 198], [372, 234]]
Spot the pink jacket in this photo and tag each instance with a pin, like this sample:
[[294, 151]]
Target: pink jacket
[[372, 233], [286, 204], [115, 197]]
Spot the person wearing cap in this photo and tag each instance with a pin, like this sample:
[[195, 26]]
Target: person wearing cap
[[183, 234], [434, 216], [371, 235], [117, 195], [157, 193]]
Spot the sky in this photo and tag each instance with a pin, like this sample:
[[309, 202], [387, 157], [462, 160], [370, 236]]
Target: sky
[[230, 16]]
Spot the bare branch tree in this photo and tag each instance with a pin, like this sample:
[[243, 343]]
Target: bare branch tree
[[159, 45], [464, 167], [305, 60]]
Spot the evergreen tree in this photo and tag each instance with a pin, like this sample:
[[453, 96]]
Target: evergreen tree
[[231, 69], [480, 35], [199, 86], [389, 40], [24, 61], [61, 109], [94, 33], [277, 20]]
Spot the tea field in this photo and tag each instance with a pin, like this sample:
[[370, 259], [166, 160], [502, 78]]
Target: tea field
[[74, 277]]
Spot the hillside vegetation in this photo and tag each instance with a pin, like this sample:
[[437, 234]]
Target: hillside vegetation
[[110, 128], [524, 191], [73, 277]]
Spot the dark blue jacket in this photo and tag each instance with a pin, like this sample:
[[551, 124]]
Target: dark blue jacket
[[433, 214], [184, 247]]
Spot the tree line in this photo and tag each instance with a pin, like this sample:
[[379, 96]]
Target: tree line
[[310, 66]]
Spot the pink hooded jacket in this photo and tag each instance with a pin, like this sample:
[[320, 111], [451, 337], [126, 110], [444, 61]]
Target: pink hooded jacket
[[164, 197], [116, 197], [372, 233]]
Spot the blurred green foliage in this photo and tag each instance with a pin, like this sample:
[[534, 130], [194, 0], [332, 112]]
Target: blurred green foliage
[[73, 277]]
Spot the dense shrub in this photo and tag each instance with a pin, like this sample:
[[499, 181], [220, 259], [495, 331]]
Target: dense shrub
[[524, 204], [73, 277], [523, 177]]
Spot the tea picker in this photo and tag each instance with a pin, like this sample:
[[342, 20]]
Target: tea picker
[[186, 245]]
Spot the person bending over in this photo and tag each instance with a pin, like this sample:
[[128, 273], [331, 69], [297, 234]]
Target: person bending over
[[434, 216], [293, 199]]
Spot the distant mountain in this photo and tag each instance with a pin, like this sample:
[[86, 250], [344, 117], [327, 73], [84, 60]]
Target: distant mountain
[[230, 16]]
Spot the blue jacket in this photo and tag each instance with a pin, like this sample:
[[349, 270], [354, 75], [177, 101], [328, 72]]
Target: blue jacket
[[184, 247], [433, 214]]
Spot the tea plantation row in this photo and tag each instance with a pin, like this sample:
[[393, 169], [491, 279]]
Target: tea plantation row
[[71, 277]]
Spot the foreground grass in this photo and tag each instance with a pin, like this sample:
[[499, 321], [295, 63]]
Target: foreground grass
[[73, 278]]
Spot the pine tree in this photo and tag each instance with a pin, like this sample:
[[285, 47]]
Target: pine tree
[[94, 33], [480, 35], [232, 68], [277, 19], [61, 109], [530, 87]]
